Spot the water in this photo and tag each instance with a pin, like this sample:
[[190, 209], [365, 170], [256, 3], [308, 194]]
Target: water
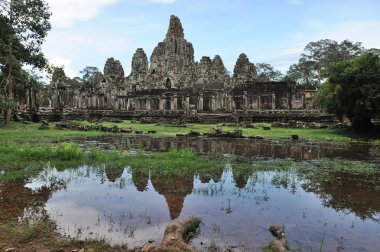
[[302, 150], [125, 206]]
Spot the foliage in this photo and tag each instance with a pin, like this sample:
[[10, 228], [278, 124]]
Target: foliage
[[353, 90], [89, 76], [316, 58], [25, 25], [63, 151], [6, 103], [266, 72]]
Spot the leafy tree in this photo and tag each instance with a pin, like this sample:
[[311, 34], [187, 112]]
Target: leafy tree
[[266, 72], [316, 58], [25, 23], [89, 75], [353, 90]]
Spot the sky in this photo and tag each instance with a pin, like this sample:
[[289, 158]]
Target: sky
[[87, 32]]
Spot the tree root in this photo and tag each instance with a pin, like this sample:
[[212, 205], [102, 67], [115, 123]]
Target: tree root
[[177, 235], [279, 242]]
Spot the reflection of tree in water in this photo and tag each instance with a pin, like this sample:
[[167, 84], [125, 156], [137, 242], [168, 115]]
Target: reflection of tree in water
[[140, 179], [347, 195], [16, 200], [216, 175], [114, 171], [241, 177], [206, 176], [174, 188]]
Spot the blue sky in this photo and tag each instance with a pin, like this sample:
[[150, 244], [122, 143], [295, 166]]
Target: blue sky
[[87, 32]]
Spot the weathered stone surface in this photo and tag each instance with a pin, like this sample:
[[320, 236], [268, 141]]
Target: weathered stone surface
[[172, 83], [114, 73], [244, 70], [220, 72], [140, 65], [175, 30], [172, 61]]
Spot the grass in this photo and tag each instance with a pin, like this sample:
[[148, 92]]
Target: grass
[[23, 161], [22, 133], [42, 236], [337, 172]]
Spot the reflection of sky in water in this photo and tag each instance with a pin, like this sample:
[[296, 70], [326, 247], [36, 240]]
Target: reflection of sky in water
[[90, 206]]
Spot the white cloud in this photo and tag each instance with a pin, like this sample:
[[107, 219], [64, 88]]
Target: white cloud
[[163, 1], [360, 31], [66, 63], [65, 13]]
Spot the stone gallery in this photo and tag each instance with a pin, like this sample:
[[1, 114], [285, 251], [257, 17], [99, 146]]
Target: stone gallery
[[172, 82]]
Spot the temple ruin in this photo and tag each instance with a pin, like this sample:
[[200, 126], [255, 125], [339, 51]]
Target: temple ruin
[[172, 83]]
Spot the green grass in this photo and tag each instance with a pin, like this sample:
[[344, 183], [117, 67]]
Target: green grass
[[21, 133], [23, 161]]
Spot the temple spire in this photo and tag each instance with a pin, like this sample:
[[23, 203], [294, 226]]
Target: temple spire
[[175, 29]]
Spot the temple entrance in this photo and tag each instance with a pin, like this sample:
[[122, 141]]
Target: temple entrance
[[168, 83], [168, 103], [206, 103]]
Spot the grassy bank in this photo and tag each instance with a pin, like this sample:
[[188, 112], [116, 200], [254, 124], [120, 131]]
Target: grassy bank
[[22, 133], [23, 161]]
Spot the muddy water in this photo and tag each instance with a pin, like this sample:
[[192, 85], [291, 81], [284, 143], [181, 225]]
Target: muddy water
[[126, 206]]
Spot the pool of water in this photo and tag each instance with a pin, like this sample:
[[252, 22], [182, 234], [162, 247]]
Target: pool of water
[[127, 206]]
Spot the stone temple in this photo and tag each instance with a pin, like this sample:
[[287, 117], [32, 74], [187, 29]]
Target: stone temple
[[171, 83]]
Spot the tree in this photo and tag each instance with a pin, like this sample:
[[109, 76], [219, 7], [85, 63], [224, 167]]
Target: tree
[[89, 75], [266, 72], [26, 24], [316, 58], [353, 90]]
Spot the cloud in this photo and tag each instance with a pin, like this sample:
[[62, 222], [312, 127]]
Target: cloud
[[66, 63], [163, 1], [295, 2], [65, 13]]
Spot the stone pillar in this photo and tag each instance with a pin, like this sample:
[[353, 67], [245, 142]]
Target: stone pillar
[[187, 101], [245, 101], [273, 101], [162, 103], [259, 107], [27, 95], [213, 103], [200, 102], [303, 101], [229, 103], [147, 104], [173, 102]]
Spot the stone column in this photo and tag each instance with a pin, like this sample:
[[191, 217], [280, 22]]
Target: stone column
[[303, 101], [147, 104], [259, 103], [27, 95], [162, 103], [187, 101], [173, 102], [245, 101], [213, 103], [273, 101], [229, 103], [200, 102]]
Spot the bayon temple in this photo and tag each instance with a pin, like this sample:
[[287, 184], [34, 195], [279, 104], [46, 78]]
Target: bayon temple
[[171, 82]]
